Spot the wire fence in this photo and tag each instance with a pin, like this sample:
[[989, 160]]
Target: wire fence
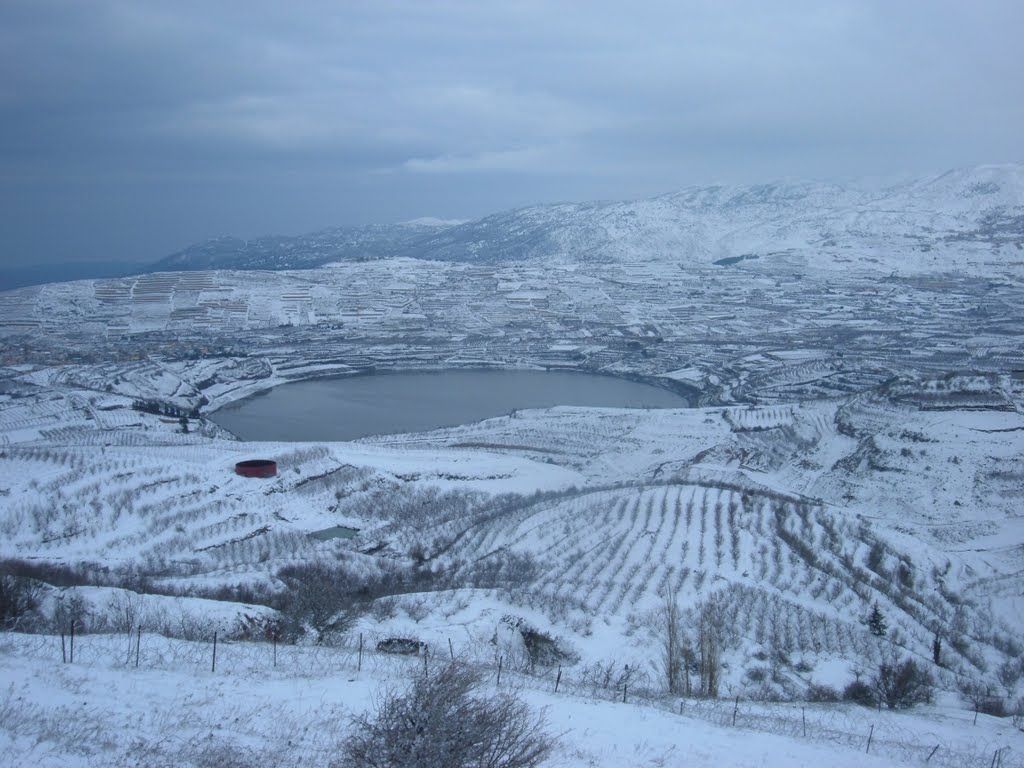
[[836, 725]]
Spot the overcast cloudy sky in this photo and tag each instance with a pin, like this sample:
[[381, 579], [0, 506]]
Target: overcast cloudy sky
[[132, 128]]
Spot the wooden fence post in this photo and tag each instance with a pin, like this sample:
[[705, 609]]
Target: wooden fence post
[[213, 667], [870, 734], [558, 679]]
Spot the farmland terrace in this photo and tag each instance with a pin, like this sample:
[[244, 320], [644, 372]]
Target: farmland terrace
[[739, 335]]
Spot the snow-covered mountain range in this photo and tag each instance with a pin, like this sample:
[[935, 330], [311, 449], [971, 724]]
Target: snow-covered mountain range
[[917, 223]]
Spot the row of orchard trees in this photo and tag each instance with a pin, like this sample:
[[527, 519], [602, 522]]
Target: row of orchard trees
[[694, 640]]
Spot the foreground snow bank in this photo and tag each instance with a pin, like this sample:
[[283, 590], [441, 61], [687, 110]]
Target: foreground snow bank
[[173, 709]]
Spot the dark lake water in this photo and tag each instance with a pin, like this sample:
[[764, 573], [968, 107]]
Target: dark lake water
[[347, 408]]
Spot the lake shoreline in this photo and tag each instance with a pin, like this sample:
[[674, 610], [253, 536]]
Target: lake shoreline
[[454, 393]]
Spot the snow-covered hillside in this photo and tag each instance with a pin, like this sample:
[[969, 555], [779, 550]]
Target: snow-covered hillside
[[794, 520], [906, 226], [910, 225], [853, 357]]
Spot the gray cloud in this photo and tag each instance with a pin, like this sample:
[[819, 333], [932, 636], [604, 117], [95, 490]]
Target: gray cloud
[[129, 128]]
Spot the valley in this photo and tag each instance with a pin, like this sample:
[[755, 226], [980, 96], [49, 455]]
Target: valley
[[854, 443]]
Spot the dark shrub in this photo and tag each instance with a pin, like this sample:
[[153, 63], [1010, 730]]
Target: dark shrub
[[823, 694], [540, 646], [902, 685], [860, 692], [757, 674], [995, 706]]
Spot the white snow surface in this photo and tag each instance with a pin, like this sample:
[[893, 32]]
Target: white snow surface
[[174, 709]]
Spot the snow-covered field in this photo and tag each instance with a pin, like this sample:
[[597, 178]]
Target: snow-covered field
[[792, 521], [175, 709]]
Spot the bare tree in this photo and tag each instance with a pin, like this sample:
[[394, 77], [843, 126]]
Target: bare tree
[[125, 611], [710, 628], [676, 651], [982, 698], [444, 721], [19, 601], [901, 685], [318, 599], [70, 607]]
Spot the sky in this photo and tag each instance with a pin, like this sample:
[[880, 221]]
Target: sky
[[130, 129]]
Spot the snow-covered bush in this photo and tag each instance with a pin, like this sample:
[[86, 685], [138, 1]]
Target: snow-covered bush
[[516, 634], [316, 602], [444, 720]]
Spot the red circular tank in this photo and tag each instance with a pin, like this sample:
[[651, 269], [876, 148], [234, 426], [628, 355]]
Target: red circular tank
[[256, 468]]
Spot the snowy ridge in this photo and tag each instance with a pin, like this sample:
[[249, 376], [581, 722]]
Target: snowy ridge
[[906, 226]]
